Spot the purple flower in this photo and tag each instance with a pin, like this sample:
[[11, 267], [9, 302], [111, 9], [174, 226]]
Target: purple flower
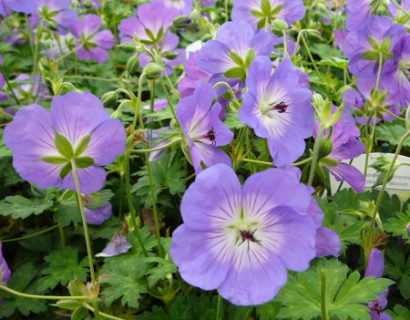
[[193, 73], [92, 44], [340, 37], [118, 245], [184, 7], [375, 268], [77, 130], [232, 52], [25, 6], [355, 100], [241, 239], [260, 13], [397, 82], [150, 25], [345, 146], [203, 129], [362, 46], [4, 269], [56, 14], [278, 109], [30, 87], [357, 12], [100, 215]]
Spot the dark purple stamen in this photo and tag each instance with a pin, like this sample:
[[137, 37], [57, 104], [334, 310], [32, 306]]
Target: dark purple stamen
[[211, 136], [280, 107], [248, 236]]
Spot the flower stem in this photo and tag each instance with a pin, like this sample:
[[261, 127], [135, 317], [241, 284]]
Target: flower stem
[[9, 87], [265, 163], [388, 174], [325, 315], [227, 85], [36, 296], [30, 235], [315, 157], [400, 7], [157, 149], [219, 308], [103, 314], [86, 233]]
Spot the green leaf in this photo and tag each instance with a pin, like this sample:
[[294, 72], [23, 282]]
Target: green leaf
[[346, 295], [79, 314], [235, 72], [392, 132], [63, 266], [276, 10], [84, 162], [397, 267], [82, 145], [54, 159], [22, 279], [266, 7], [236, 58], [262, 23], [371, 55], [399, 312], [63, 146], [257, 13], [374, 43], [97, 200], [385, 46], [19, 207], [65, 170], [250, 56], [399, 224], [125, 281]]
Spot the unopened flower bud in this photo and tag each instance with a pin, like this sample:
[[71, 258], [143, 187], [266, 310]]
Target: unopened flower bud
[[153, 70]]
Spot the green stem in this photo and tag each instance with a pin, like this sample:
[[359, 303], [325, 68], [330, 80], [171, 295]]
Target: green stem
[[219, 308], [388, 174], [379, 72], [285, 44], [94, 282], [226, 3], [325, 315], [171, 105], [265, 163], [92, 78], [30, 235], [315, 157], [400, 7], [302, 162], [157, 149], [131, 206], [9, 86], [150, 177], [311, 58], [36, 296], [62, 236], [392, 114], [103, 314], [226, 85]]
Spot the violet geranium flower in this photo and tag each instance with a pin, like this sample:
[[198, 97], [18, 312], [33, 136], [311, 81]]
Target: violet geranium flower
[[278, 109], [184, 7], [345, 146], [186, 85], [375, 268], [379, 35], [92, 44], [151, 24], [118, 245], [55, 13], [260, 13], [25, 6], [203, 129], [77, 130], [232, 52], [100, 215], [4, 269], [242, 239]]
